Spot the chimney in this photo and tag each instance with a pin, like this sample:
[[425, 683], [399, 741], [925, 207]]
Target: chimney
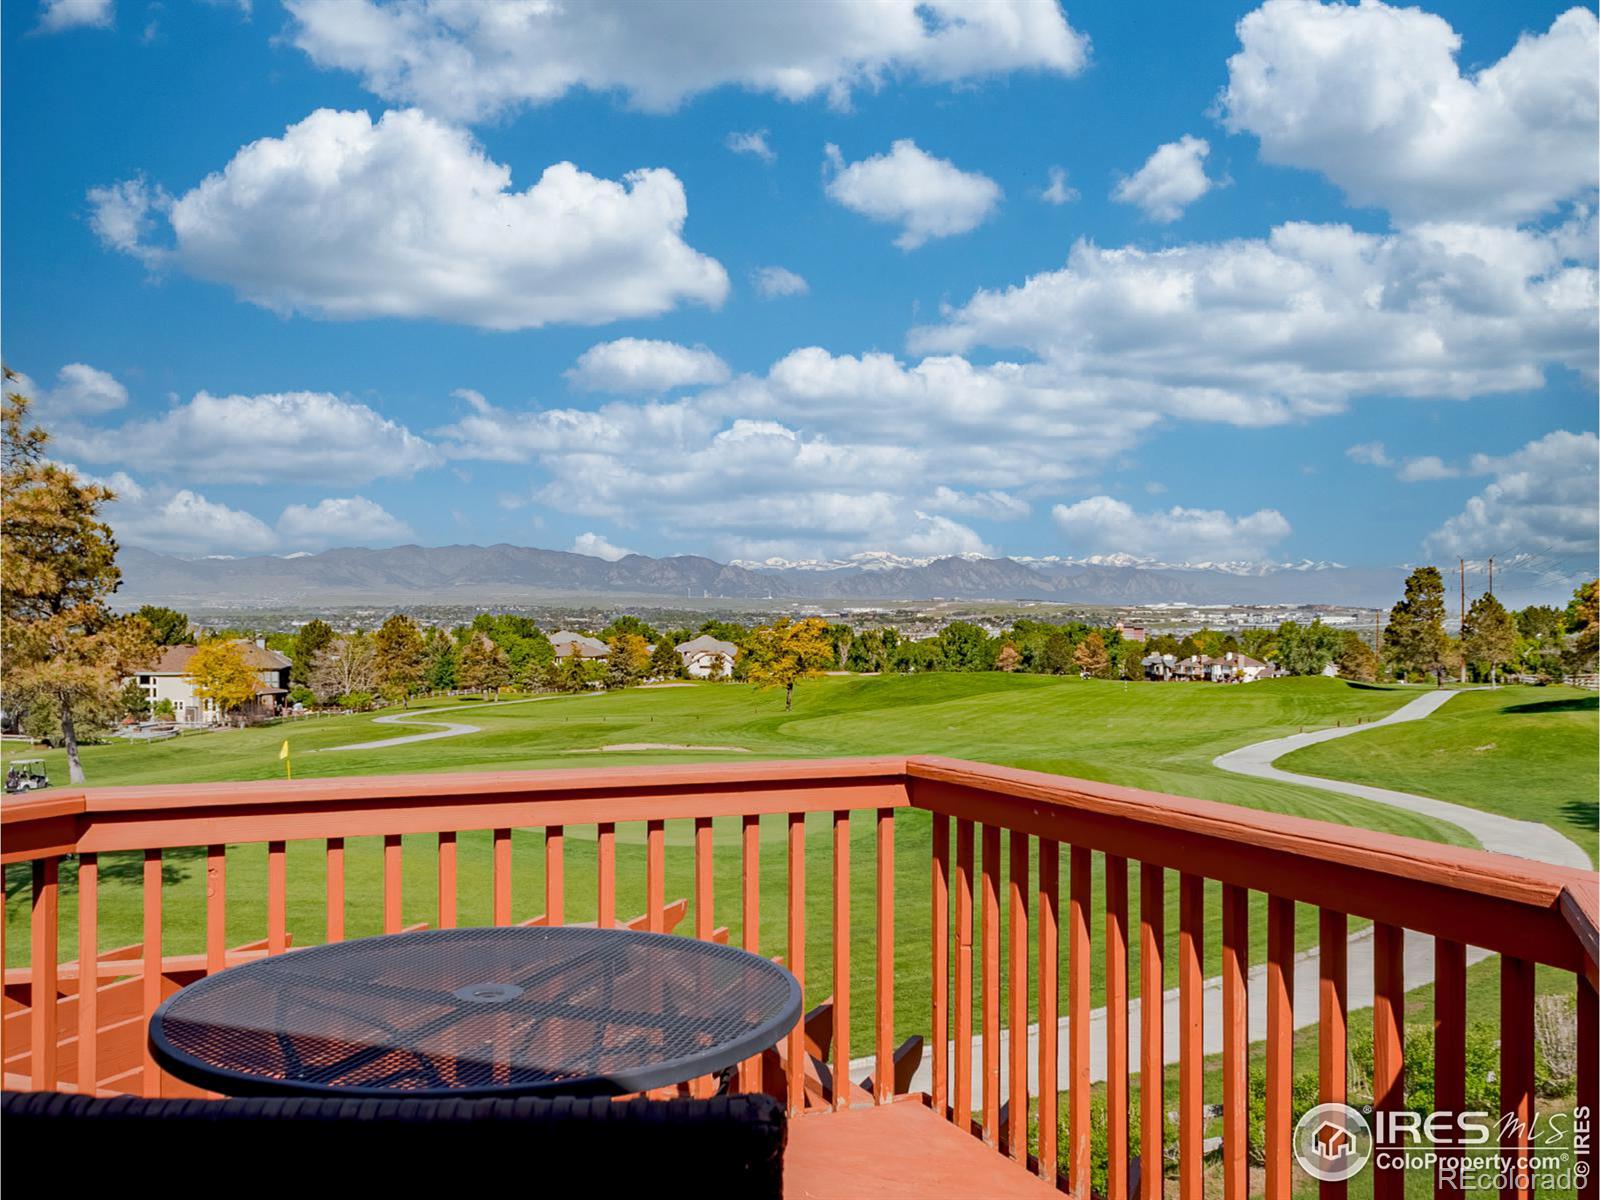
[[261, 643]]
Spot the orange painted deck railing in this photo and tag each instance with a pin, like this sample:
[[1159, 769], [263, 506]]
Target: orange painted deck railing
[[59, 1032]]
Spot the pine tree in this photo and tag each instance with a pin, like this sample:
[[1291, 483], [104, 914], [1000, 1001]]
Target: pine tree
[[1488, 636], [400, 657], [1415, 640]]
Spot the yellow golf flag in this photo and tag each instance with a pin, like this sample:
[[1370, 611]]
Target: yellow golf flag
[[283, 756], [284, 751]]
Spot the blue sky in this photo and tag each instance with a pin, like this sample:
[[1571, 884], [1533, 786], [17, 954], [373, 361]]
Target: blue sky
[[1262, 282]]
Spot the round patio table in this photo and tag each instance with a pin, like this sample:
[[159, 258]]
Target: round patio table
[[521, 1011]]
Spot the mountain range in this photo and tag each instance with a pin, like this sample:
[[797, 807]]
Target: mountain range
[[505, 574]]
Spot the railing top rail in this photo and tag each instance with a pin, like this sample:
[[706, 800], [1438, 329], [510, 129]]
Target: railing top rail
[[370, 789], [1499, 875]]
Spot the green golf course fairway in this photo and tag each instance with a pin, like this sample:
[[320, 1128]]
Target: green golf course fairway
[[1527, 753], [1157, 736]]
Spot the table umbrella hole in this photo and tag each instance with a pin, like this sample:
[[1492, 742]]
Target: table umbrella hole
[[488, 993]]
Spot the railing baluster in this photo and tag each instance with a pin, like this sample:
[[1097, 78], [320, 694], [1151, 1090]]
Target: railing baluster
[[334, 857], [1049, 1001], [1116, 1027], [940, 895], [1017, 982], [42, 956], [750, 921], [1588, 1091], [1516, 1072], [555, 875], [447, 879], [1449, 1045], [1236, 1047], [1152, 1098], [88, 977], [883, 1073], [277, 897], [1079, 970], [216, 908], [841, 959], [655, 875], [961, 1086], [1388, 1043], [1332, 1021], [1235, 1042], [1191, 1044], [1280, 1046], [703, 903], [151, 988], [392, 867], [500, 877], [605, 874], [990, 906], [797, 957]]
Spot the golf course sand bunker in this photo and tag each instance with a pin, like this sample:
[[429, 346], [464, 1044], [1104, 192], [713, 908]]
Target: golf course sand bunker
[[625, 746]]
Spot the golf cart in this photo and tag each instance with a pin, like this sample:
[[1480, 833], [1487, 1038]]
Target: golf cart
[[26, 775]]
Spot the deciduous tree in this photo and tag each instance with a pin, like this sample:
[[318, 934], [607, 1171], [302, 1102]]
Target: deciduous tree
[[484, 667], [785, 652], [1091, 657], [60, 641], [399, 658], [629, 660], [1356, 659], [219, 672], [344, 667], [665, 661]]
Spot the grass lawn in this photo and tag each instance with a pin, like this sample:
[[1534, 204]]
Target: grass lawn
[[1523, 752], [1149, 735]]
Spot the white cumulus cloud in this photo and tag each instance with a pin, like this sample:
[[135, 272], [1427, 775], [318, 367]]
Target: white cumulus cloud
[[643, 365], [471, 61], [1541, 499], [80, 391], [1102, 524], [596, 546], [753, 143], [1058, 192], [1372, 97], [927, 197], [309, 436], [1261, 331], [344, 217], [58, 15], [341, 521], [1171, 179], [773, 282]]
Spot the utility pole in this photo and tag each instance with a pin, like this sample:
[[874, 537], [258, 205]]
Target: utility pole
[[1491, 576], [1377, 641], [1463, 630]]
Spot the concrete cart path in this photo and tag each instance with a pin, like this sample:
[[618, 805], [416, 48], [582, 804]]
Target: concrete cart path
[[442, 729]]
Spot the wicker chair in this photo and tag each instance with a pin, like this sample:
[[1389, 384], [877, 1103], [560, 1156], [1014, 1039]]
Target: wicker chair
[[729, 1146]]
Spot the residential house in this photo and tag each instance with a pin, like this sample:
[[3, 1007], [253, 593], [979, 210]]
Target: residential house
[[1159, 667], [705, 657], [1231, 667], [577, 645], [168, 679]]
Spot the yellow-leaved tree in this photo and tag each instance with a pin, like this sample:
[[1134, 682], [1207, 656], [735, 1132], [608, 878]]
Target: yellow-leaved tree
[[221, 674], [62, 644], [780, 654]]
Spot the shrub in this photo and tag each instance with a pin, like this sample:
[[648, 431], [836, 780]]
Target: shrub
[[1304, 1095], [301, 694], [1555, 1045], [359, 701], [1482, 1063]]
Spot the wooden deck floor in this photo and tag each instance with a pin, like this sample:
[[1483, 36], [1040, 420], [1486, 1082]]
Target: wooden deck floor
[[897, 1151]]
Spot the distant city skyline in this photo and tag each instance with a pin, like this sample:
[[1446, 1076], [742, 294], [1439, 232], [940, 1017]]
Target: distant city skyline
[[1228, 283]]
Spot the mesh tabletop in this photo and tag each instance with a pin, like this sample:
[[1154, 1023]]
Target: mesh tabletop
[[462, 1012]]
